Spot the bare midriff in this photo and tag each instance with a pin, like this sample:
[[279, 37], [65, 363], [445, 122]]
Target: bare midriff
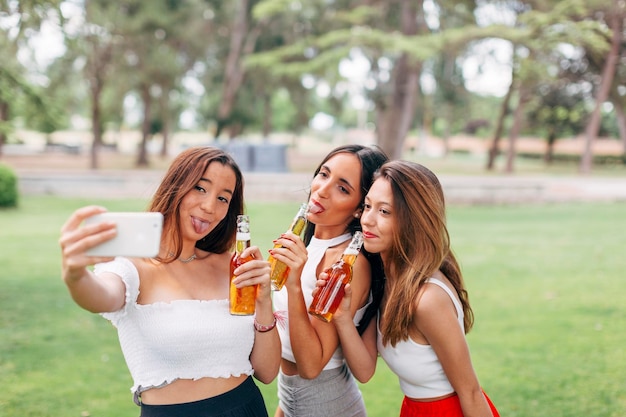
[[188, 390], [427, 400]]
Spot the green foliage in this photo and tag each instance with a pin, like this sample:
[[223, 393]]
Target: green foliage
[[8, 187], [558, 112]]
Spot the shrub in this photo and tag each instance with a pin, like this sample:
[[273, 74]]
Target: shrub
[[8, 187]]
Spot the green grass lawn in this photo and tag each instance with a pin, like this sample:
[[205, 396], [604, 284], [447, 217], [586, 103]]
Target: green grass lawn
[[546, 284]]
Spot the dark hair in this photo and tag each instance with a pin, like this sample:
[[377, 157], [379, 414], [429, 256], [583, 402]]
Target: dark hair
[[421, 245], [182, 175], [371, 158]]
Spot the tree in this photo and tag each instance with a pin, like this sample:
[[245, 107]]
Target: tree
[[395, 56], [559, 111], [616, 15], [162, 40], [28, 19], [541, 33]]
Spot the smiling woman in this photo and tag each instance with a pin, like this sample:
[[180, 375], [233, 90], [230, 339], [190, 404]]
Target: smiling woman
[[186, 353]]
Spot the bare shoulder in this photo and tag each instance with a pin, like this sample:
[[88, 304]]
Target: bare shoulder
[[433, 299]]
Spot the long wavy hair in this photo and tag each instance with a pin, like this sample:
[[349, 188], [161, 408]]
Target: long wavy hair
[[371, 158], [421, 245], [182, 175]]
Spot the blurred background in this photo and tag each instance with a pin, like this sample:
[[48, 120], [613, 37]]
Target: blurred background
[[517, 106], [500, 85]]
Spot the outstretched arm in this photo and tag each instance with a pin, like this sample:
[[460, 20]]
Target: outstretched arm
[[98, 294]]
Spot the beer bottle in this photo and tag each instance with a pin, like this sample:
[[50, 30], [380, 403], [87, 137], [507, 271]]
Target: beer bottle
[[329, 296], [279, 271], [242, 301]]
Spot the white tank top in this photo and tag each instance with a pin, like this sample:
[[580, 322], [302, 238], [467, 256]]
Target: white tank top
[[417, 366], [315, 251]]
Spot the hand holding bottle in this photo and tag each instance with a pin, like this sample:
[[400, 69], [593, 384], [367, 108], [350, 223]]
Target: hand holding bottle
[[255, 272], [326, 301], [290, 251], [343, 309], [280, 270]]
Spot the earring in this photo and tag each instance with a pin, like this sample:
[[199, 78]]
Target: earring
[[357, 215]]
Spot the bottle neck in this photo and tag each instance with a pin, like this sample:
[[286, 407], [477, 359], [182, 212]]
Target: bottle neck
[[242, 242], [298, 225], [349, 258]]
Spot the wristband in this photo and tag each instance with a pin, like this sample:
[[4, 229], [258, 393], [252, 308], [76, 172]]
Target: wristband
[[261, 328]]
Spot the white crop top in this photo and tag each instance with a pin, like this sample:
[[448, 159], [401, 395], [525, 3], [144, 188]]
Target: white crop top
[[182, 339], [316, 250], [417, 366]]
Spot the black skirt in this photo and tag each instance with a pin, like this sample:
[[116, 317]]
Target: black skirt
[[244, 401]]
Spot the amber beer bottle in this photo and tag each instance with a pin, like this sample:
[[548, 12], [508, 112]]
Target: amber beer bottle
[[242, 301], [279, 271], [329, 296]]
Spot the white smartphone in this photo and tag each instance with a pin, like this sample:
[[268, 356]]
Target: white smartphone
[[138, 234]]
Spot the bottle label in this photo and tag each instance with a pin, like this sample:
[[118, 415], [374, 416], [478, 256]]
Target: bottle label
[[351, 251], [243, 236]]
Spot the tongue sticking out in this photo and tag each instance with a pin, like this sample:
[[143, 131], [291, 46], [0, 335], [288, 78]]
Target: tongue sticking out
[[200, 227], [314, 208]]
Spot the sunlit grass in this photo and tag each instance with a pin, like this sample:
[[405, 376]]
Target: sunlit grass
[[545, 282]]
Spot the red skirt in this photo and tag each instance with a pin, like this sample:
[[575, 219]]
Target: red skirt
[[447, 407]]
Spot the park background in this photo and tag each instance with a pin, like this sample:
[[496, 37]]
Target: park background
[[516, 105]]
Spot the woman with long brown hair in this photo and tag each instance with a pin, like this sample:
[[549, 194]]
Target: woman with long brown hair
[[425, 312], [186, 354]]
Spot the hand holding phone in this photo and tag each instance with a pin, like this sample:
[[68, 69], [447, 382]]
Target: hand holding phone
[[138, 234]]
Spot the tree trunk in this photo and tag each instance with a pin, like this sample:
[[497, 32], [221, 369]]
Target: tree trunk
[[495, 143], [241, 43], [447, 130], [267, 115], [551, 140], [164, 104], [621, 123], [396, 116], [608, 72], [96, 126], [4, 118], [518, 118], [142, 156]]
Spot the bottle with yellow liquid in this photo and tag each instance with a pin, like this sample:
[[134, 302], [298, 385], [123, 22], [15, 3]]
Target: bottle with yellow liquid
[[242, 301], [329, 296], [279, 270]]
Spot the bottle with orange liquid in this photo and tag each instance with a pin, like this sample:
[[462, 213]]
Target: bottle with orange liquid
[[329, 296], [279, 271], [242, 301]]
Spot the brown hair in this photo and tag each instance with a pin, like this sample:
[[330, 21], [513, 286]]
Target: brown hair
[[182, 175], [370, 158], [420, 246]]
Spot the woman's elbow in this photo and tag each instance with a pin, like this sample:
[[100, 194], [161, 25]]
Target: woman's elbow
[[267, 374], [266, 377], [363, 377], [309, 373]]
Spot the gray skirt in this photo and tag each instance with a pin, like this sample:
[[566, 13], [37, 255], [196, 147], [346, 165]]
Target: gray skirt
[[333, 393]]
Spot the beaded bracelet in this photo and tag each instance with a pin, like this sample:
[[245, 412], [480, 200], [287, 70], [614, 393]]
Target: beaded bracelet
[[262, 328]]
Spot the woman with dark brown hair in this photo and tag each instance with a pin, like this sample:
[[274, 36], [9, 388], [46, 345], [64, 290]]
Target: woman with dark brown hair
[[425, 312], [187, 355], [314, 380]]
